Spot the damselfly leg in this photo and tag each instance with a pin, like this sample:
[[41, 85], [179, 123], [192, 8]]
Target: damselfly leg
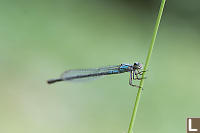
[[131, 78], [140, 72]]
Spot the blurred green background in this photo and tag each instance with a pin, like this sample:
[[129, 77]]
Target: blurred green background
[[40, 39]]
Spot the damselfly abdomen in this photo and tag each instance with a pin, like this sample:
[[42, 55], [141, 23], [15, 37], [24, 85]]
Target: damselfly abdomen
[[84, 74]]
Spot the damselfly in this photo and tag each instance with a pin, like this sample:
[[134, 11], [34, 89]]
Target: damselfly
[[83, 74]]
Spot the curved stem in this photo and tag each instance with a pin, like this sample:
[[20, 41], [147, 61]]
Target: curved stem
[[146, 65]]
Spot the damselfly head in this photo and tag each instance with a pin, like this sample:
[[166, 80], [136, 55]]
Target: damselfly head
[[138, 65]]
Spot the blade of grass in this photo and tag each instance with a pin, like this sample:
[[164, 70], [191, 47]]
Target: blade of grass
[[145, 67]]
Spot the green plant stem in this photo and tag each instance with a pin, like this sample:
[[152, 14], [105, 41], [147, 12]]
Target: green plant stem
[[146, 65]]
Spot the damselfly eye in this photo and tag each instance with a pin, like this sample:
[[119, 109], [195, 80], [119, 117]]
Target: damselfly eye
[[136, 64], [140, 66]]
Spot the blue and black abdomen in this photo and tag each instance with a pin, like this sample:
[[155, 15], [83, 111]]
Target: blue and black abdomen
[[81, 74]]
